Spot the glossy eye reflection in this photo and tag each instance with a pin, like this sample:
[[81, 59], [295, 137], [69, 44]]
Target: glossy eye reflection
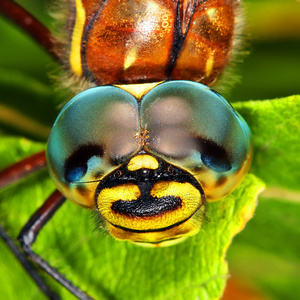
[[196, 128], [92, 134], [184, 123]]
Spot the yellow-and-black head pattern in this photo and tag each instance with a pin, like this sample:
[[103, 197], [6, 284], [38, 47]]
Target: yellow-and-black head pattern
[[148, 161], [148, 200]]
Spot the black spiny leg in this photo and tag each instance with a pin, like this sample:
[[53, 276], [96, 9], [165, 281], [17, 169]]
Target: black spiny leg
[[42, 35], [29, 233], [8, 176], [27, 265]]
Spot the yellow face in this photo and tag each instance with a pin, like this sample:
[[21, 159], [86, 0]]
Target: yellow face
[[147, 205]]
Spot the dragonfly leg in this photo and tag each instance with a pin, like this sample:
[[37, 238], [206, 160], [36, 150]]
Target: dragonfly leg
[[30, 232], [27, 265], [22, 168]]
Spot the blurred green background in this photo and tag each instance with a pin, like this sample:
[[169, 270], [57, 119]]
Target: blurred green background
[[266, 255]]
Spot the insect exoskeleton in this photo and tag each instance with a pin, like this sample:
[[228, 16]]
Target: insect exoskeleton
[[148, 162], [135, 41], [148, 151], [147, 145]]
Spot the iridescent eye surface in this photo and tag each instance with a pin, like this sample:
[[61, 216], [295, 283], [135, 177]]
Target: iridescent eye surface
[[91, 135], [197, 129], [148, 164]]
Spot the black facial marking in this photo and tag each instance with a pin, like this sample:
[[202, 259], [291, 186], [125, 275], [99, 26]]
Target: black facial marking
[[147, 206], [145, 179]]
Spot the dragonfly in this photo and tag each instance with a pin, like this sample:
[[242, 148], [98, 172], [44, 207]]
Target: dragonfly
[[146, 142]]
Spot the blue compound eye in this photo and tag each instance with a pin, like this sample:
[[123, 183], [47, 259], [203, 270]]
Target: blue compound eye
[[85, 159], [185, 123], [213, 156], [93, 133], [194, 127]]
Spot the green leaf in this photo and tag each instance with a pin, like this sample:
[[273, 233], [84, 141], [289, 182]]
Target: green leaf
[[115, 265], [265, 254], [275, 130], [110, 269]]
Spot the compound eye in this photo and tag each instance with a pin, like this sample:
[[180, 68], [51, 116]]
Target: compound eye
[[92, 134], [86, 159], [194, 127], [213, 156]]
